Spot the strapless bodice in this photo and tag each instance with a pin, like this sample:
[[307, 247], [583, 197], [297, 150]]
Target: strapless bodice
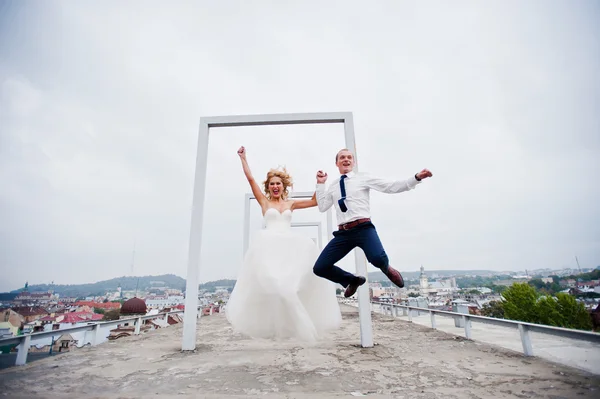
[[273, 219]]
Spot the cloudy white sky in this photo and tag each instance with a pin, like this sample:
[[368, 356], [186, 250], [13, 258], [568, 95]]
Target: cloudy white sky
[[100, 104]]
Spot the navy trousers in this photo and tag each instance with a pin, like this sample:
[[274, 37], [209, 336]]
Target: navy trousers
[[363, 236]]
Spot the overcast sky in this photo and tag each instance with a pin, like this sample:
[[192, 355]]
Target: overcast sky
[[100, 104]]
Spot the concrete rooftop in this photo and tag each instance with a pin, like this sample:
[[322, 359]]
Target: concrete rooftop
[[583, 355], [408, 361]]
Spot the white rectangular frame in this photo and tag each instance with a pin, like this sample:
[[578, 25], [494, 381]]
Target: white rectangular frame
[[194, 249], [306, 194], [319, 227]]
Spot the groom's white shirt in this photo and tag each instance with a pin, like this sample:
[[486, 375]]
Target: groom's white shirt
[[358, 186]]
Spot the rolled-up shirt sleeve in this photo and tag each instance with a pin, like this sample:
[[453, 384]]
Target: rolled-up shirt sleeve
[[324, 199]]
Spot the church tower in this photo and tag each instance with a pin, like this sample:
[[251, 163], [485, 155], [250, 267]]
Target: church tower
[[423, 279]]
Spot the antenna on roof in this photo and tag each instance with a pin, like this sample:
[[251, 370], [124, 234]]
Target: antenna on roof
[[133, 257]]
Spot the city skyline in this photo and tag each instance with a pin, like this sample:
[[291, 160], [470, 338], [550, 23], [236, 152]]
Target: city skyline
[[432, 273]]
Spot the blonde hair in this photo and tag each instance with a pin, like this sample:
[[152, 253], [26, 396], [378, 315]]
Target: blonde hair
[[286, 180]]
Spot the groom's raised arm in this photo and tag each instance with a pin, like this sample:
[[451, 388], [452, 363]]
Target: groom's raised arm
[[324, 198], [396, 186]]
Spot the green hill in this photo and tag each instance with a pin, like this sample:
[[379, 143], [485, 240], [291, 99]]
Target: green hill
[[211, 286], [127, 283]]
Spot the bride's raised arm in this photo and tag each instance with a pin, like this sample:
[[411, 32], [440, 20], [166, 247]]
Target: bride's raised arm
[[302, 204], [260, 197]]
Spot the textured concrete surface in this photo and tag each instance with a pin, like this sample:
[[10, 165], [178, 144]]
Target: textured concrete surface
[[408, 361], [580, 354]]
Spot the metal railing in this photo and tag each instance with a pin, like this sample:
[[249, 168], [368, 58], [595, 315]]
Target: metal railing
[[524, 328], [25, 341]]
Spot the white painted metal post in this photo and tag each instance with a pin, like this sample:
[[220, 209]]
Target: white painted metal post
[[190, 315], [526, 340], [138, 326], [410, 314], [96, 335], [433, 325], [23, 349], [364, 313], [467, 323]]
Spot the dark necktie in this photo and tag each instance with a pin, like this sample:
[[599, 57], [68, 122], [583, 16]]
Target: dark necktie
[[343, 189]]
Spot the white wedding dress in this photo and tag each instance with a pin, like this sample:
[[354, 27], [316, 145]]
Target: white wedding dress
[[277, 295]]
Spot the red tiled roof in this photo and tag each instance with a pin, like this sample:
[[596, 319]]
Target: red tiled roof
[[72, 318], [99, 305], [79, 317], [30, 310]]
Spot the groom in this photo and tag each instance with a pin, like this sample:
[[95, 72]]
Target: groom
[[350, 196]]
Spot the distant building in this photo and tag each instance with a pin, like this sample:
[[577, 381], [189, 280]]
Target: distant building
[[571, 283], [78, 317], [7, 330], [28, 313], [164, 301], [64, 343], [424, 285], [378, 291], [11, 320], [440, 287], [99, 305], [133, 307], [40, 298]]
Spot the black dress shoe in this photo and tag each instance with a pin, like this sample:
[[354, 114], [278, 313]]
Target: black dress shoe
[[351, 289]]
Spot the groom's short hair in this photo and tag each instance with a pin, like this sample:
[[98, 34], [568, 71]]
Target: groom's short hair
[[338, 153]]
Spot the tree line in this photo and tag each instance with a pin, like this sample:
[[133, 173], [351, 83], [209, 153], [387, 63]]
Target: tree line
[[522, 302]]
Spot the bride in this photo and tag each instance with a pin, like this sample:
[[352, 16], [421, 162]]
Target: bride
[[277, 295]]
